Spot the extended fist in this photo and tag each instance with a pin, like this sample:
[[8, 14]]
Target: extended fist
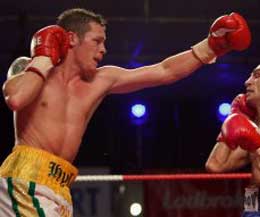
[[229, 32], [51, 41]]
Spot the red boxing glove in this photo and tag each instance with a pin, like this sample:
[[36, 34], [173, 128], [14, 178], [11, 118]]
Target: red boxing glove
[[238, 130], [239, 105], [51, 41], [229, 32]]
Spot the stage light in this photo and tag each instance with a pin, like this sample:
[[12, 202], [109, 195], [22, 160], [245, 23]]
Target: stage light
[[135, 209], [224, 109], [138, 110]]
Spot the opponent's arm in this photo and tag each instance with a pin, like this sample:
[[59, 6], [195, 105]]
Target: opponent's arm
[[229, 32], [224, 159], [237, 132], [49, 45], [226, 155]]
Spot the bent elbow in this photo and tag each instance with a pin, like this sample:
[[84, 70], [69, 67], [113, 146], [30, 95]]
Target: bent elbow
[[208, 167], [213, 168], [14, 100], [13, 103]]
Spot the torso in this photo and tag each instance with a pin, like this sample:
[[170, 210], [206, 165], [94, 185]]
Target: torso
[[58, 118], [255, 164]]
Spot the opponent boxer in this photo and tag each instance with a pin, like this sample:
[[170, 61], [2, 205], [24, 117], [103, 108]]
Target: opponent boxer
[[238, 143], [54, 97]]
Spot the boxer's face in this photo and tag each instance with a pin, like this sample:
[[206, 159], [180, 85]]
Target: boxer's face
[[90, 50], [253, 87]]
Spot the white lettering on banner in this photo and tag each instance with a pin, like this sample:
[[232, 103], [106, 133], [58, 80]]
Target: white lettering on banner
[[91, 199], [202, 200]]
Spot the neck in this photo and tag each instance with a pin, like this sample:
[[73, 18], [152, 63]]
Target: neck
[[257, 117], [67, 71]]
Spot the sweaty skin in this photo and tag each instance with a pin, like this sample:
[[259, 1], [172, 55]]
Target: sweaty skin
[[53, 115]]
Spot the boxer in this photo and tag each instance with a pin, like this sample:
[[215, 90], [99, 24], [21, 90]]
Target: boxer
[[238, 143], [54, 97]]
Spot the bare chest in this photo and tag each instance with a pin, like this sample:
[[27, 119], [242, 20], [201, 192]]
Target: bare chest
[[76, 102]]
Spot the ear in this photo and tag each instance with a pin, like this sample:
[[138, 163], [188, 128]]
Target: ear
[[74, 39]]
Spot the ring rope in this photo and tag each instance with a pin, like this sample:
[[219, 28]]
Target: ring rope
[[154, 177]]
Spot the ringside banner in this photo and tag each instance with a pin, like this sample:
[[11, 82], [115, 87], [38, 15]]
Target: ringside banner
[[197, 198]]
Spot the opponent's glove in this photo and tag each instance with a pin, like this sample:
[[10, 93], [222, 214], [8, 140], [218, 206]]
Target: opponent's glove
[[239, 105], [52, 42], [227, 33], [238, 130]]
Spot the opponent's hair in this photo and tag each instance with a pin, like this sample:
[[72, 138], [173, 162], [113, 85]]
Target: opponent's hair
[[77, 20]]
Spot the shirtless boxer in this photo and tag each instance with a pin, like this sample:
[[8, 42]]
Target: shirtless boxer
[[54, 97], [239, 141]]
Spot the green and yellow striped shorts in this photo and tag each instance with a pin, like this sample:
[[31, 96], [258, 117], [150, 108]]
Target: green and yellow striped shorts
[[35, 183]]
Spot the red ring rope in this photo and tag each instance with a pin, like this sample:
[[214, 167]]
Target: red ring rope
[[153, 177]]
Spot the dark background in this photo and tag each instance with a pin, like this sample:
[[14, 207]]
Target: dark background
[[182, 121]]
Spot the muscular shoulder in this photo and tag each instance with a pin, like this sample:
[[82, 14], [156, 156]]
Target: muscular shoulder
[[113, 73], [110, 71], [17, 66]]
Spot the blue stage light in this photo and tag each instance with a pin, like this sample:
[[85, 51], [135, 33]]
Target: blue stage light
[[138, 110], [224, 109]]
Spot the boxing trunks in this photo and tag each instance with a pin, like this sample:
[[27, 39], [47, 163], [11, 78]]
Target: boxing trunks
[[35, 183], [251, 202]]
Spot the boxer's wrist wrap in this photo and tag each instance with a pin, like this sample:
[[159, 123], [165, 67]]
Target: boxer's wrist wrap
[[41, 65], [203, 52], [37, 71]]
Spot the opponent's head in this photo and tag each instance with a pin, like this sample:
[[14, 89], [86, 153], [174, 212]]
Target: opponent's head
[[253, 88], [87, 38]]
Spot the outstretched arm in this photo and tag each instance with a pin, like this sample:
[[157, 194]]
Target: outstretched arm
[[229, 32], [168, 71]]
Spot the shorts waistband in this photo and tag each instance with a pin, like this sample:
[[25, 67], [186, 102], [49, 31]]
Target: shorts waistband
[[41, 167]]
